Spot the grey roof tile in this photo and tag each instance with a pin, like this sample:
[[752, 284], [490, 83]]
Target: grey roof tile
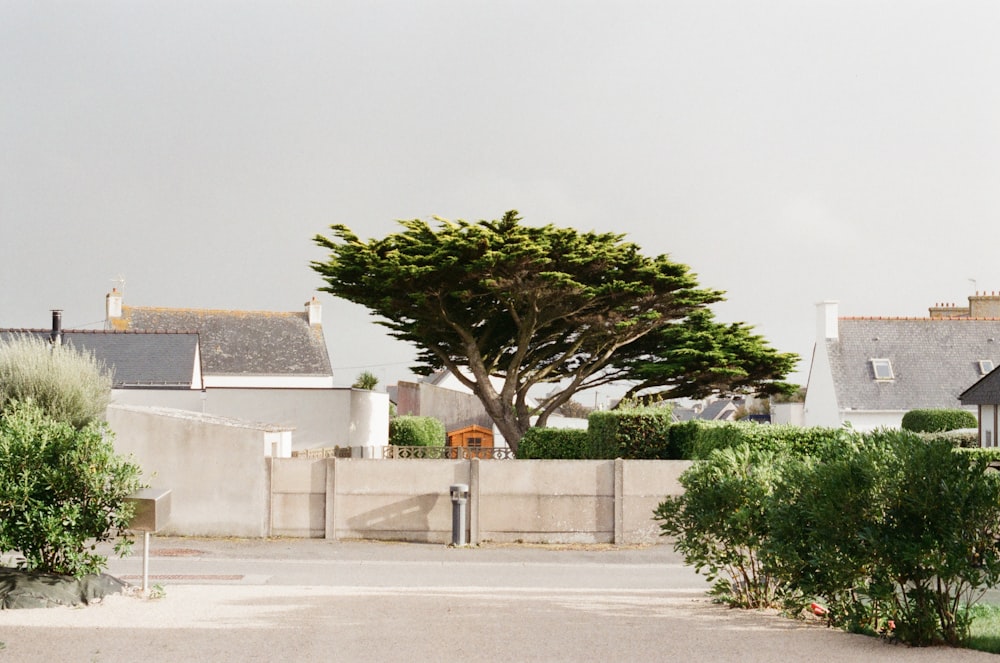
[[933, 360], [984, 392], [242, 342], [134, 359]]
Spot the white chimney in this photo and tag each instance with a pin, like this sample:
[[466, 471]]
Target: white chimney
[[113, 305], [314, 310], [826, 321]]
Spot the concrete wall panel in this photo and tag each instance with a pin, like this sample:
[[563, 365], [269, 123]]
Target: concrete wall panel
[[299, 515], [214, 467]]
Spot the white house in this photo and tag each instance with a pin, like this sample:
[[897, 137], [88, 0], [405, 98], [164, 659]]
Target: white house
[[870, 371]]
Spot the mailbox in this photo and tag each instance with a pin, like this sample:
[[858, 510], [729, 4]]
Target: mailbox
[[152, 509]]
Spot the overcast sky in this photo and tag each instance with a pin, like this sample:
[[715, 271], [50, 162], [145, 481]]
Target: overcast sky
[[789, 152]]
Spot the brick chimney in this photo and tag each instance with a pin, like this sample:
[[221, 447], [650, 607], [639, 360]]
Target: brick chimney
[[314, 311], [984, 305]]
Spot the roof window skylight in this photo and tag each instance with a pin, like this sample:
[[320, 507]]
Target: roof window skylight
[[985, 366], [882, 369]]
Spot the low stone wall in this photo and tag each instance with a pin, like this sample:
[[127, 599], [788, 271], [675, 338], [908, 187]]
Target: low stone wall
[[546, 501], [223, 484]]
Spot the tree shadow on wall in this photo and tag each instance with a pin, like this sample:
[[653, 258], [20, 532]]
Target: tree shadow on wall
[[407, 519]]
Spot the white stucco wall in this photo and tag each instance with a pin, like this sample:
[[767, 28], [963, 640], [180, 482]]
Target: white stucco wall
[[821, 408], [319, 417], [214, 467], [988, 415]]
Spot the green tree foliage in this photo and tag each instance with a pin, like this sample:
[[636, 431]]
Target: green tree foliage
[[68, 385], [526, 305], [61, 490], [935, 421], [413, 431], [703, 357]]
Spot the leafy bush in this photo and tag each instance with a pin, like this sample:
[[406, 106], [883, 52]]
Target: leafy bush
[[933, 421], [938, 538], [816, 516], [631, 432], [696, 441], [721, 526], [960, 438], [554, 443], [61, 489], [68, 385], [414, 431], [894, 534]]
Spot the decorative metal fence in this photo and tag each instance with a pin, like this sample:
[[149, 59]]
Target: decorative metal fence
[[452, 453], [328, 452]]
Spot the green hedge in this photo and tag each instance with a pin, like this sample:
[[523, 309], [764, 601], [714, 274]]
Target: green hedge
[[632, 433], [412, 431], [963, 438], [933, 421], [555, 444], [695, 440]]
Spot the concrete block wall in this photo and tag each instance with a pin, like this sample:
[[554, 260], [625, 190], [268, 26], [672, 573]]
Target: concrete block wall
[[541, 501], [401, 500], [544, 501]]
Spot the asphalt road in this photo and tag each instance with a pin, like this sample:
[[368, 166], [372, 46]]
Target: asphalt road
[[295, 600]]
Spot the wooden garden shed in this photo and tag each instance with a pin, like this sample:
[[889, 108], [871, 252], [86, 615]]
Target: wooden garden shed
[[473, 438]]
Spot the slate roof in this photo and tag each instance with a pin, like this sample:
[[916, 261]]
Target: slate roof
[[241, 342], [163, 360], [717, 409], [984, 392], [933, 360]]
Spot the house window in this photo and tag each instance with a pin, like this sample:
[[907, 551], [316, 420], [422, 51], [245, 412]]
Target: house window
[[882, 369], [985, 366], [475, 442]]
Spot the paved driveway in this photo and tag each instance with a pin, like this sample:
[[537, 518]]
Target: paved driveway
[[288, 600]]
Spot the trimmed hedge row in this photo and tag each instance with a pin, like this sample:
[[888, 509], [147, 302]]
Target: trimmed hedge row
[[635, 433], [933, 421], [648, 434], [413, 431], [555, 444]]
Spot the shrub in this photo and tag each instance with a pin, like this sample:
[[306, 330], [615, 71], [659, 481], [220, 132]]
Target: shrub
[[554, 443], [68, 385], [900, 531], [960, 438], [933, 421], [816, 516], [698, 441], [720, 524], [631, 432], [414, 431], [938, 540], [61, 489]]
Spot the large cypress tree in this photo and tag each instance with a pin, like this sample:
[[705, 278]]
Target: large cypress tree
[[524, 305]]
